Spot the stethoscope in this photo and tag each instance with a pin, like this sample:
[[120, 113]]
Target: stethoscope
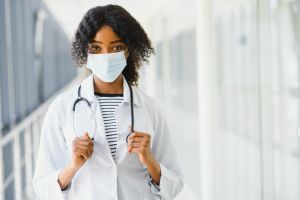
[[89, 104]]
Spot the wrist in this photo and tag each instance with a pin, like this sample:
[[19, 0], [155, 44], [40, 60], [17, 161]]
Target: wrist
[[152, 164], [73, 167], [154, 171]]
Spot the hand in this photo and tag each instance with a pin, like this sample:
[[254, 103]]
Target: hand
[[139, 143], [82, 150]]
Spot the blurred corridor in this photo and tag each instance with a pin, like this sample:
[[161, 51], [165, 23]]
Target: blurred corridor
[[226, 73]]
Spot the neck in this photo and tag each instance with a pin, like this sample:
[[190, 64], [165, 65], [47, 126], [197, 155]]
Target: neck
[[115, 87]]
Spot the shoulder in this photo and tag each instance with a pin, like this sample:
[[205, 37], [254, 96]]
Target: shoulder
[[69, 94], [145, 99], [58, 103], [151, 104]]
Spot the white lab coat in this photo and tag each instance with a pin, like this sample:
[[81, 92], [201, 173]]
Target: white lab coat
[[101, 177]]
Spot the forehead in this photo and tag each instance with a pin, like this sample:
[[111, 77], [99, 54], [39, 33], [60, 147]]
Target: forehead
[[106, 35]]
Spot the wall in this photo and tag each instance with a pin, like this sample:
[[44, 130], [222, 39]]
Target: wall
[[227, 73]]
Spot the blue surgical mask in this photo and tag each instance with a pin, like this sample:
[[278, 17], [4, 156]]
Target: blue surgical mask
[[108, 66]]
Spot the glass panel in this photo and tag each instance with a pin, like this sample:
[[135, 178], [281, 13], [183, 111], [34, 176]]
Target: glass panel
[[183, 104], [8, 159], [22, 144], [236, 147], [4, 102], [9, 192], [18, 59], [175, 85], [23, 177], [30, 86], [285, 100]]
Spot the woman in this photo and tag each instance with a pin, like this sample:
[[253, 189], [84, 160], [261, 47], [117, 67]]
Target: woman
[[103, 161]]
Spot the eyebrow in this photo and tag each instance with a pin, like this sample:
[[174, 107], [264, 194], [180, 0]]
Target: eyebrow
[[112, 42]]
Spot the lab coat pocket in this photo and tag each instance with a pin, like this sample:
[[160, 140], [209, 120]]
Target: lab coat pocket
[[133, 158], [130, 158]]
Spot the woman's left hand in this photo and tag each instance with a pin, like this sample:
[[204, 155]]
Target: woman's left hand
[[139, 143]]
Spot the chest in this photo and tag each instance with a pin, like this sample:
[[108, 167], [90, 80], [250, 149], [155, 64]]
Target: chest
[[91, 120]]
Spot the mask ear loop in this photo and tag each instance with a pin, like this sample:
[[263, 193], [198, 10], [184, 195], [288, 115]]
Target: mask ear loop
[[132, 112]]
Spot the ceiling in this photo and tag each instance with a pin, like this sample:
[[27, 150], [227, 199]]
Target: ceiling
[[69, 12]]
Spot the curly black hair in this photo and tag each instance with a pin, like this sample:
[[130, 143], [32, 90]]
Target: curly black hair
[[125, 26]]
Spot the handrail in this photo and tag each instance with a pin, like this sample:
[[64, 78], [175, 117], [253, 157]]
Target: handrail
[[35, 114], [28, 130]]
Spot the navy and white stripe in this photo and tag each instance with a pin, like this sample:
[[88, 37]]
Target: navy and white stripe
[[108, 104]]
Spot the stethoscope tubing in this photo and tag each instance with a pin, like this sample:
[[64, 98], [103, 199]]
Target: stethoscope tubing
[[80, 98]]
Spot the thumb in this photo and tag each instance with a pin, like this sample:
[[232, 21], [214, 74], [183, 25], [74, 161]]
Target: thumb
[[86, 134], [129, 128]]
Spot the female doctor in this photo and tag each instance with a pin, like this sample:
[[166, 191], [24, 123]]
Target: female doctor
[[105, 138]]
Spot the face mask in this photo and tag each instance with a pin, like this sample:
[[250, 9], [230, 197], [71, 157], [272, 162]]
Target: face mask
[[108, 66]]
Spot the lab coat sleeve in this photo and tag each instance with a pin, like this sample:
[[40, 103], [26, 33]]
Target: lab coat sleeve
[[171, 181], [52, 155]]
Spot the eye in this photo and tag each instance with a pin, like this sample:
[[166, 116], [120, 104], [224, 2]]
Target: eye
[[94, 49], [118, 48]]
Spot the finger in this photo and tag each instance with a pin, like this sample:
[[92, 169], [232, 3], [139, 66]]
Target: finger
[[83, 142], [82, 147], [136, 150], [135, 135], [129, 129], [140, 134], [84, 139], [87, 153], [91, 147], [79, 152], [138, 139], [137, 144], [142, 145], [85, 156], [90, 151], [135, 139], [86, 136]]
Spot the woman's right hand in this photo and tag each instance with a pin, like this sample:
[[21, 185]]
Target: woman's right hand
[[82, 149]]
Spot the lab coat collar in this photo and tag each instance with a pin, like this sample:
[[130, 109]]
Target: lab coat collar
[[87, 90]]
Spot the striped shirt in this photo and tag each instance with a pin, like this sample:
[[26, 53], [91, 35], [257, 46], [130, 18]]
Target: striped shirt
[[108, 104]]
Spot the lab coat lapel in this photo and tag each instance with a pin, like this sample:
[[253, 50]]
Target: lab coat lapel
[[123, 116], [100, 140]]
